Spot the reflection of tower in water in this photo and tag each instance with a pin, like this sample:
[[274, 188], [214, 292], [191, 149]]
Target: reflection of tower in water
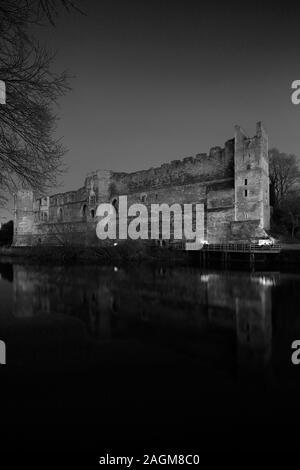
[[254, 324], [30, 296], [100, 308], [244, 304]]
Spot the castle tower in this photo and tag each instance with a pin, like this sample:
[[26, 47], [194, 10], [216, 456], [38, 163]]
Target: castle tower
[[24, 217], [98, 186], [251, 177]]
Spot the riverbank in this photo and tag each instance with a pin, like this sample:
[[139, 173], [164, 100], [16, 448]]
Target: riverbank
[[134, 252], [128, 252]]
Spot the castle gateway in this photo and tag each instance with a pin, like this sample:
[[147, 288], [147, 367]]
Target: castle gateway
[[231, 182]]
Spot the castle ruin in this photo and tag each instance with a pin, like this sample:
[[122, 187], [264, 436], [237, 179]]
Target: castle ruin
[[232, 183]]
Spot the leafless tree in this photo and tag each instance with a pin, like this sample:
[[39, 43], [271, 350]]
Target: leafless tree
[[290, 207], [284, 174], [29, 154]]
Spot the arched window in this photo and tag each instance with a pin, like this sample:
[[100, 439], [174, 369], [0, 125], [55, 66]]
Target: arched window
[[115, 204], [93, 213], [92, 199], [84, 211], [60, 213]]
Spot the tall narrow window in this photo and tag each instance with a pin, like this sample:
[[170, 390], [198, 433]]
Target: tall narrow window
[[60, 213], [246, 182], [246, 192], [115, 204], [92, 199], [84, 211]]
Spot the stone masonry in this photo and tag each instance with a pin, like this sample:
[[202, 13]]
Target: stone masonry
[[232, 183]]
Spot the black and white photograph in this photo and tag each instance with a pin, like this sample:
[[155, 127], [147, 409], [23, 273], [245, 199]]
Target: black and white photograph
[[149, 230]]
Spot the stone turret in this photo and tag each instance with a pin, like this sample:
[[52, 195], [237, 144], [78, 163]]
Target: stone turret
[[251, 186], [251, 176], [24, 218], [99, 182]]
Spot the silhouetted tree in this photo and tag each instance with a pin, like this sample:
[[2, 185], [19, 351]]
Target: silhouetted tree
[[290, 209], [284, 174], [285, 191], [29, 154]]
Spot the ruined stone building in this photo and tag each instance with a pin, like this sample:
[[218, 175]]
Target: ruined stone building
[[232, 183]]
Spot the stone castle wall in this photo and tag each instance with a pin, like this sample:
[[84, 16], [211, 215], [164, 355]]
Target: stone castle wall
[[214, 179]]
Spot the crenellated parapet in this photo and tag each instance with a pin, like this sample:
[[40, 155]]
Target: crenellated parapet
[[217, 164]]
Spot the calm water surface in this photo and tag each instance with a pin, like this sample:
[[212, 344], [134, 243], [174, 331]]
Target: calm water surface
[[165, 345], [237, 319]]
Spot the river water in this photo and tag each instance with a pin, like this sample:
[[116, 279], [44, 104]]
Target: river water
[[177, 334]]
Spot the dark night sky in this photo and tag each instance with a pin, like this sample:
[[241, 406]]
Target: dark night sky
[[157, 81]]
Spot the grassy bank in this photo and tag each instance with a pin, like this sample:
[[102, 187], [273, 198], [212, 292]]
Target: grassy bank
[[129, 251], [138, 252]]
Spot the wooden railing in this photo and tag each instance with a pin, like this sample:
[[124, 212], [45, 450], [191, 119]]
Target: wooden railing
[[226, 247], [243, 248]]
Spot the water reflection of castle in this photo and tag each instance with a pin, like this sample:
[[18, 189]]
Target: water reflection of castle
[[178, 305]]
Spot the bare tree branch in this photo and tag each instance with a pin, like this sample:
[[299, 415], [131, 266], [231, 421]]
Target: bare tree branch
[[29, 154], [284, 174]]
